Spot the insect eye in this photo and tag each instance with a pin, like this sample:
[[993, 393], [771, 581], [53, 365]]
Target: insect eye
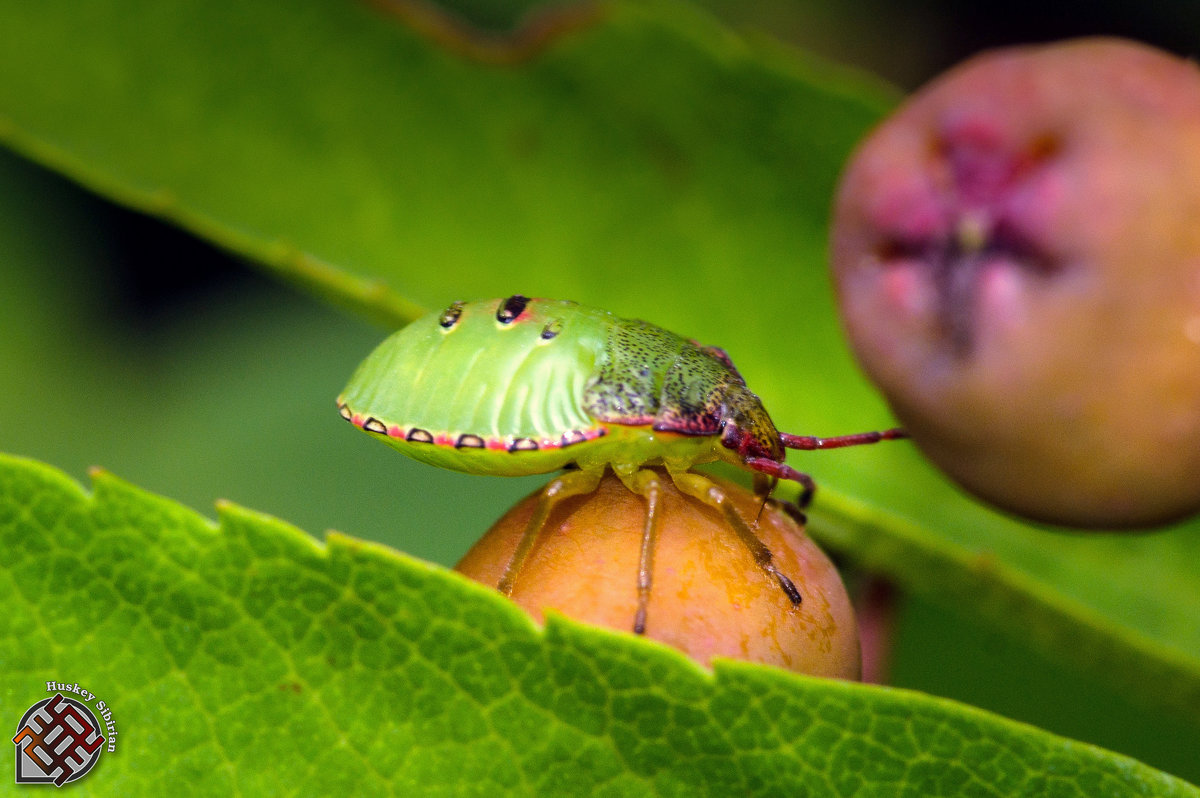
[[451, 315], [552, 329], [511, 308]]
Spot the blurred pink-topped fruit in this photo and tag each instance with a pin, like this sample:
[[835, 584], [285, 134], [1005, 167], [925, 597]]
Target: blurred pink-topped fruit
[[1017, 257]]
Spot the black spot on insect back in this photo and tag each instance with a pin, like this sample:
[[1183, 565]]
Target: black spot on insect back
[[468, 441], [551, 330], [451, 315], [511, 308], [374, 425]]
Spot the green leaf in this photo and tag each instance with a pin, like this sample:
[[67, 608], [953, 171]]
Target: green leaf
[[245, 658], [648, 141], [649, 161]]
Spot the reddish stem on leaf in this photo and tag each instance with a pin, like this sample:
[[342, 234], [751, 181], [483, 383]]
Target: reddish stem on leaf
[[878, 603]]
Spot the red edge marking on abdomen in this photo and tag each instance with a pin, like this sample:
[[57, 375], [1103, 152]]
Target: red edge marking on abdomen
[[511, 444]]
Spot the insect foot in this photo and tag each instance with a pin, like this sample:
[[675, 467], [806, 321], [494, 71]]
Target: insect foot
[[706, 593], [1017, 258]]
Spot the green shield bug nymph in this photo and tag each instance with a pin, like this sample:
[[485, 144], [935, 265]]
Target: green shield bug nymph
[[528, 386]]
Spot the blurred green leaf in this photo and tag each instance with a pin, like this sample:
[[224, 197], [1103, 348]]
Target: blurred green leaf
[[244, 658], [226, 393], [650, 162]]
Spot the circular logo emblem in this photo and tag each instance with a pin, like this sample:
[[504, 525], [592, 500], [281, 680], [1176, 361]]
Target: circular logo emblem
[[58, 741]]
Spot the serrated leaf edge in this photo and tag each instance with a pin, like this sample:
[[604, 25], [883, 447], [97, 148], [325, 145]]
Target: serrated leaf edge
[[560, 632]]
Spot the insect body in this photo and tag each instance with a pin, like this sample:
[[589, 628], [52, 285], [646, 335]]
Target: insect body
[[526, 386]]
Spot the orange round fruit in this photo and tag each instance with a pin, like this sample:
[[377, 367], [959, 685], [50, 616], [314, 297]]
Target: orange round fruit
[[708, 597]]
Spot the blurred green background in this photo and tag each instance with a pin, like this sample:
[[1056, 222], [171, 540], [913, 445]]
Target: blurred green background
[[130, 345]]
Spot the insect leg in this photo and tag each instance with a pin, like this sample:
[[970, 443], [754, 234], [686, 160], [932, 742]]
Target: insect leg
[[763, 486], [572, 483], [773, 468], [711, 494], [839, 441], [794, 512], [645, 483]]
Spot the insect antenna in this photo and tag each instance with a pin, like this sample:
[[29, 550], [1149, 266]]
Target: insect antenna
[[840, 441]]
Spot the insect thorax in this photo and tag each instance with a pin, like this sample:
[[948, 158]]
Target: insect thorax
[[649, 376]]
